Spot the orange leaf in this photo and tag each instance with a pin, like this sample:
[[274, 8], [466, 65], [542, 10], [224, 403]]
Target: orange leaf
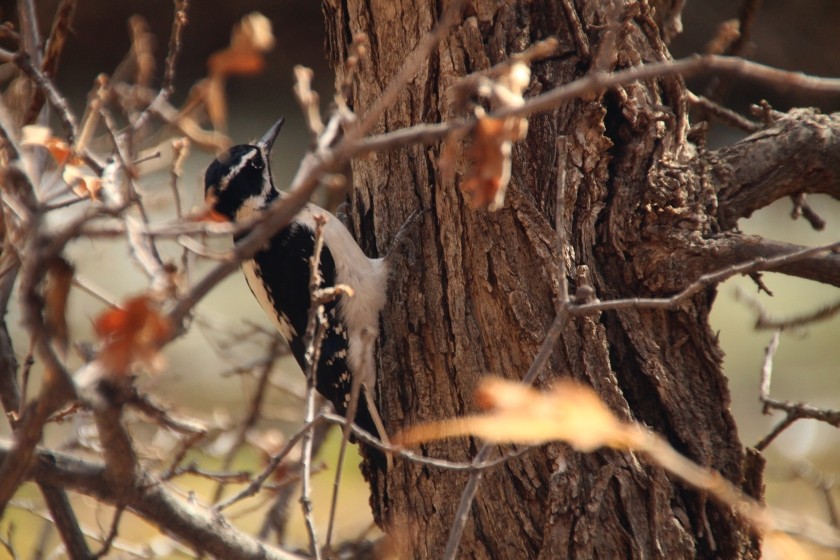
[[489, 174], [130, 334], [83, 183], [236, 62], [59, 150]]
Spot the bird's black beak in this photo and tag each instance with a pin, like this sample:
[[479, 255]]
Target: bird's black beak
[[267, 141]]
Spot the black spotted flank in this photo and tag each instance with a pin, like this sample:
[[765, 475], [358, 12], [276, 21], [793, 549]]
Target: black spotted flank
[[284, 270]]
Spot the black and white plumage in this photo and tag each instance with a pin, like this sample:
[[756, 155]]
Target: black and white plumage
[[238, 187]]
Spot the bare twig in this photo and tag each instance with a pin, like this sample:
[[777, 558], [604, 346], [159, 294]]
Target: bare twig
[[704, 282], [179, 21], [468, 494], [253, 416], [767, 369], [823, 483], [419, 55], [66, 522], [61, 27], [308, 100], [353, 403], [765, 321], [802, 208], [112, 534], [793, 411], [315, 330], [723, 114], [193, 525], [560, 220]]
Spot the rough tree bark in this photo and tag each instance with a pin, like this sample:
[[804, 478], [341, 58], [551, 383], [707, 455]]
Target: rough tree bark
[[477, 291]]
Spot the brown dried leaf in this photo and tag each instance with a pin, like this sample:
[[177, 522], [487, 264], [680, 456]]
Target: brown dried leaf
[[251, 38], [37, 135], [131, 334], [489, 173], [76, 174], [56, 292], [83, 182], [569, 412]]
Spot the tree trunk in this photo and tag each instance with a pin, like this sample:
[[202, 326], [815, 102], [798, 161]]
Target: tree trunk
[[475, 292]]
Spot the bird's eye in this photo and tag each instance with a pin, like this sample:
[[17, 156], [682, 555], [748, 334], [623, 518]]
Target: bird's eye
[[257, 163]]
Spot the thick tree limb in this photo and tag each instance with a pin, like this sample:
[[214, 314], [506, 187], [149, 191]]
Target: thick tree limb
[[800, 153], [192, 525], [823, 267]]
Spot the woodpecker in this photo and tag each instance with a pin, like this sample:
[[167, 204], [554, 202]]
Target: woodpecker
[[238, 187]]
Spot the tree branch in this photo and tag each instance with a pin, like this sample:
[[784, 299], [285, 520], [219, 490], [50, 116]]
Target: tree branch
[[822, 266], [189, 524], [792, 156]]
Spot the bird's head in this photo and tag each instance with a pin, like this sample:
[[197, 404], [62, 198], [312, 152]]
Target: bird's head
[[238, 183]]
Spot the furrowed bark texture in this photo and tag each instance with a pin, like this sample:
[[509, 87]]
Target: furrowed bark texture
[[475, 292]]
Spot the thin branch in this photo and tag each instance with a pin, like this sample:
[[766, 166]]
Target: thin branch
[[66, 522], [112, 534], [179, 21], [793, 411], [68, 119], [271, 467], [705, 281], [315, 330], [765, 321], [367, 341], [468, 494], [193, 525], [419, 55], [723, 114], [560, 220], [61, 28], [767, 369], [258, 396], [803, 209]]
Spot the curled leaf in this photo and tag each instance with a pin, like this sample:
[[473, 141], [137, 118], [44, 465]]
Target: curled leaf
[[570, 412], [487, 179]]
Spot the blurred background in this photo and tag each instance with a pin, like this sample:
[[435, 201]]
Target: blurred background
[[197, 379]]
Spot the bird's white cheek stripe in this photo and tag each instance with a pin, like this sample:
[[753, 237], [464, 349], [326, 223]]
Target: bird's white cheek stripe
[[254, 279]]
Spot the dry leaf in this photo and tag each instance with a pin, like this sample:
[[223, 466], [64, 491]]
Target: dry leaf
[[570, 412], [491, 139], [251, 38], [489, 173], [132, 333], [83, 182], [76, 174], [56, 292], [37, 135]]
